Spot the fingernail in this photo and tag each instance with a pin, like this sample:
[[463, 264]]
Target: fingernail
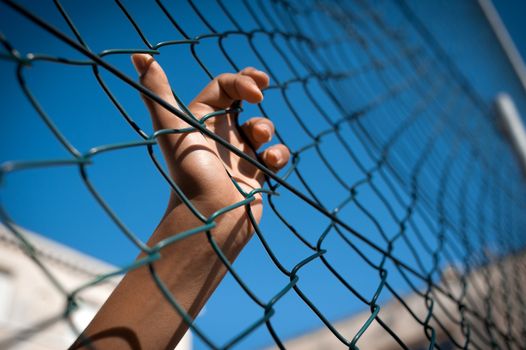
[[258, 91], [141, 62], [262, 96], [266, 131], [277, 160]]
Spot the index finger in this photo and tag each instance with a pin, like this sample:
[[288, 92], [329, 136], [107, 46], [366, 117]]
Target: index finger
[[226, 88]]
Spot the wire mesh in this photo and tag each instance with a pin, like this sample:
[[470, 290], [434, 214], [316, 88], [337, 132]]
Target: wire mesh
[[401, 136]]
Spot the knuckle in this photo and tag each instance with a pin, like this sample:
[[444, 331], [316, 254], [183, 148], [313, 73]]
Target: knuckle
[[223, 76], [248, 69]]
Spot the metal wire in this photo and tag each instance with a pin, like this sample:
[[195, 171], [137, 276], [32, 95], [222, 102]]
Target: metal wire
[[423, 142]]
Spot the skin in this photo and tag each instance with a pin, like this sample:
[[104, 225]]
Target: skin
[[136, 315]]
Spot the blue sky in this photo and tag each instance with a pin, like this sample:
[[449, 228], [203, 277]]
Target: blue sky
[[54, 201]]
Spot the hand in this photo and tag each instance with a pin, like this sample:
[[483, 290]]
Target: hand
[[198, 164]]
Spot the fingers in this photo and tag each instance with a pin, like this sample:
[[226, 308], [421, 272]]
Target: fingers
[[261, 78], [153, 78], [276, 157], [219, 94], [226, 88], [258, 131]]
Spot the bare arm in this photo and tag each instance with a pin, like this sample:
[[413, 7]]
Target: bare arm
[[137, 316]]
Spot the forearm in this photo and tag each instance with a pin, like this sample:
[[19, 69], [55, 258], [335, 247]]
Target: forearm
[[137, 315]]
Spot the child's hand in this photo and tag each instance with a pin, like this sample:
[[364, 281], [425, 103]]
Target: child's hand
[[198, 164]]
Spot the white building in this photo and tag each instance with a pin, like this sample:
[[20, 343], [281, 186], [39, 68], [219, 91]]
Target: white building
[[32, 307]]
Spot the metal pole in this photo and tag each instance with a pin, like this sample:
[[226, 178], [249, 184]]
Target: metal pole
[[512, 125]]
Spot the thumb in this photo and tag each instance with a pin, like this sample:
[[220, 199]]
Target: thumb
[[152, 77], [180, 151]]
